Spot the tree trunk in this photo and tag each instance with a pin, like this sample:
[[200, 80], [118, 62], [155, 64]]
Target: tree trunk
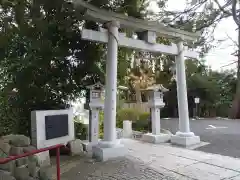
[[235, 110], [138, 96]]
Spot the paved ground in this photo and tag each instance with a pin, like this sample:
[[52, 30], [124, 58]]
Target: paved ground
[[223, 135], [127, 168], [146, 161]]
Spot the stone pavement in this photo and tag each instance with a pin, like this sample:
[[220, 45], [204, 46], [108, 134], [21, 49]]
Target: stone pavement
[[154, 162], [187, 163], [126, 168]]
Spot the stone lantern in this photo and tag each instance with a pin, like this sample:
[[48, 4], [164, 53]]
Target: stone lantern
[[96, 104], [155, 97], [155, 103]]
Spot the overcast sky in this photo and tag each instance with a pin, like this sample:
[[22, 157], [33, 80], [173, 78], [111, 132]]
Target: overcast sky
[[219, 58]]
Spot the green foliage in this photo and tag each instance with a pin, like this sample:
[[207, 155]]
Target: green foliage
[[43, 58], [126, 114], [80, 130], [10, 120], [134, 8], [142, 124], [139, 119], [144, 116], [215, 90], [43, 61], [101, 124]]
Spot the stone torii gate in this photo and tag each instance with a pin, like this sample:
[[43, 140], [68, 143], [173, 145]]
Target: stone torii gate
[[110, 147]]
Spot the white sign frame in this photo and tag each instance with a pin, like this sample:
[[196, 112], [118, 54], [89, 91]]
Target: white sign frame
[[38, 130]]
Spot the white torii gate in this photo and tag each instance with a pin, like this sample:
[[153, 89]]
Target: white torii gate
[[110, 147]]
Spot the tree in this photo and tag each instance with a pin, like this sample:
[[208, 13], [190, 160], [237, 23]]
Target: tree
[[140, 77], [215, 90], [235, 113], [204, 16], [43, 61]]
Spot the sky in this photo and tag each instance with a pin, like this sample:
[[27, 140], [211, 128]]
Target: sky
[[219, 58]]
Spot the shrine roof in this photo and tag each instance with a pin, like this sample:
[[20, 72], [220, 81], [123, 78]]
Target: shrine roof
[[156, 87], [95, 86]]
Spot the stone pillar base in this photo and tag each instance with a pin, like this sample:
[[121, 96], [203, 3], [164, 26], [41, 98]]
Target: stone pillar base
[[156, 139], [185, 140], [87, 146], [106, 153], [76, 147], [127, 129]]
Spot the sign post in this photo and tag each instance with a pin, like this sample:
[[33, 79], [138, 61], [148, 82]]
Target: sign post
[[197, 101]]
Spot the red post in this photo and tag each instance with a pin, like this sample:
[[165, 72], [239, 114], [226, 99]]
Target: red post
[[57, 147], [11, 158], [58, 162]]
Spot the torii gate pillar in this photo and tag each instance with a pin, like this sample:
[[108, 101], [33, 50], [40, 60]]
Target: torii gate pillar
[[109, 147], [184, 136]]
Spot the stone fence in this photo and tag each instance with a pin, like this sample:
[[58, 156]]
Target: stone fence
[[33, 167], [27, 168], [142, 107]]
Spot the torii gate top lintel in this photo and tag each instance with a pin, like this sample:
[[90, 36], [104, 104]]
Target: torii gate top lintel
[[102, 16]]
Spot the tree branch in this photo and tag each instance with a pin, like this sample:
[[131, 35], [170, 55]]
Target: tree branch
[[222, 8], [232, 40]]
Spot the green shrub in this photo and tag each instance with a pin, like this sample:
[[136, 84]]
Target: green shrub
[[140, 120], [80, 129], [144, 116], [101, 119], [126, 114], [13, 120], [142, 124]]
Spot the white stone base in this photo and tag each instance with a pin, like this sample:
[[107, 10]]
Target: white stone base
[[106, 153], [43, 159], [185, 140], [76, 147], [87, 146], [127, 129], [151, 138]]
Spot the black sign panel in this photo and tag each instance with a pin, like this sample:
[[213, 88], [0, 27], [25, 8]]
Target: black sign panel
[[56, 126]]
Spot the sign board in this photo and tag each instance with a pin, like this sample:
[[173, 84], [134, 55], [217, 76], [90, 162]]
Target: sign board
[[197, 100], [56, 126], [52, 127]]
